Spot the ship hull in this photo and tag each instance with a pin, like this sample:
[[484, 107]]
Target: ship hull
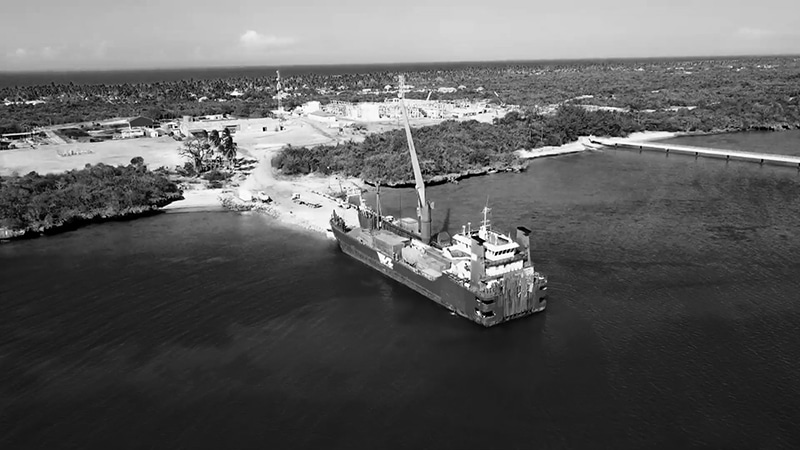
[[481, 307]]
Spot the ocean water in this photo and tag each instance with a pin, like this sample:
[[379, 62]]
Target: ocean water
[[671, 323]]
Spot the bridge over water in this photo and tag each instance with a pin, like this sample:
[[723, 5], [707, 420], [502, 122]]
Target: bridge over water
[[761, 158]]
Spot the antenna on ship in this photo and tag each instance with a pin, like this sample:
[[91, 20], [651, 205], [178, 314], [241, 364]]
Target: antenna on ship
[[486, 209], [423, 207], [378, 204]]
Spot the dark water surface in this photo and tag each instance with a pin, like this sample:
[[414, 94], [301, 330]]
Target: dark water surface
[[675, 305]]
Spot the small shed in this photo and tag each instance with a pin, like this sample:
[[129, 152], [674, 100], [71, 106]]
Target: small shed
[[140, 122]]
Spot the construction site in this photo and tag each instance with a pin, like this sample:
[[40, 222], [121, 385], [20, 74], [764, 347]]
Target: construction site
[[417, 109]]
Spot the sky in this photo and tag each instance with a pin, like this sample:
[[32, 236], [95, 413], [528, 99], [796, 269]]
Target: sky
[[145, 34]]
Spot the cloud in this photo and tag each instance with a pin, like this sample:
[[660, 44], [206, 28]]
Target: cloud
[[18, 53], [49, 52], [755, 33], [100, 49], [253, 40], [94, 49]]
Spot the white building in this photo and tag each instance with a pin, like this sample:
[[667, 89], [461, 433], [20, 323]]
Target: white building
[[370, 111], [189, 126], [323, 117], [311, 106], [127, 133]]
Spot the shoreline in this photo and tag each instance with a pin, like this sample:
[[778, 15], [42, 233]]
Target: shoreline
[[79, 222], [197, 200], [320, 190], [582, 144], [311, 188]]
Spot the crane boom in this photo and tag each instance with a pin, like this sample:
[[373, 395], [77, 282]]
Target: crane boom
[[423, 208], [420, 184]]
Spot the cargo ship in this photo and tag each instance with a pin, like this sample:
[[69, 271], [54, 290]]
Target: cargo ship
[[480, 274]]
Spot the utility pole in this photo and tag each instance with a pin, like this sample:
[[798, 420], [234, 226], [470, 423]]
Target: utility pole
[[279, 91]]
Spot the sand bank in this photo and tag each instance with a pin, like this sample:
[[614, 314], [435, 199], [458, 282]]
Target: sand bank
[[541, 152], [644, 136], [314, 189], [583, 143], [198, 200]]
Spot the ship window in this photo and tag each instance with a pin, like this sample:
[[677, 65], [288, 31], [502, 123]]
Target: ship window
[[484, 314], [485, 302]]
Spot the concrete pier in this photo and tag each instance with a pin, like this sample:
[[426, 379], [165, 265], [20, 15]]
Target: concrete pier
[[761, 158]]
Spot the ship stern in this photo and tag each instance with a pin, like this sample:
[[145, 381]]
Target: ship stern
[[520, 294]]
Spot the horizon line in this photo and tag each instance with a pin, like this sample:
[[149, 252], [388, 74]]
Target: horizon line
[[407, 63]]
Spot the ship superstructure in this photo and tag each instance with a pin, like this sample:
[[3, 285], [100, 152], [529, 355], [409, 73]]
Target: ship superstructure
[[481, 274]]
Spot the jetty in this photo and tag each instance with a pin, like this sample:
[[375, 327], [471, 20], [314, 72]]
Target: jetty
[[761, 158]]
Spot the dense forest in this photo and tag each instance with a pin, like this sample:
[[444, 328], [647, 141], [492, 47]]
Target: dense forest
[[724, 94], [453, 147], [37, 204]]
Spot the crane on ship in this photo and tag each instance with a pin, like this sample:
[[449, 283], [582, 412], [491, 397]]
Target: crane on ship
[[423, 206]]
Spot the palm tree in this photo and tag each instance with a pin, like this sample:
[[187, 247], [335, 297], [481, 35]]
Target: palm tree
[[227, 145], [215, 140]]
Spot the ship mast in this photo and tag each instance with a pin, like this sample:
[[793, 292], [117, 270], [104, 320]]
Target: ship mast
[[485, 226], [423, 207]]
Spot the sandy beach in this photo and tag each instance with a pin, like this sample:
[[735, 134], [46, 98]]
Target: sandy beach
[[644, 136], [310, 188], [314, 189], [583, 144], [198, 200]]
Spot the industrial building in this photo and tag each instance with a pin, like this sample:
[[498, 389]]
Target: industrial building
[[391, 109], [188, 126], [324, 117], [132, 122]]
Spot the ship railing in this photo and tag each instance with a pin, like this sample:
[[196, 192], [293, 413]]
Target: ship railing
[[515, 258], [477, 291]]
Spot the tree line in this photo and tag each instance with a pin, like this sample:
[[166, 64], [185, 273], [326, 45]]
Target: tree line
[[36, 203], [453, 147], [728, 93]]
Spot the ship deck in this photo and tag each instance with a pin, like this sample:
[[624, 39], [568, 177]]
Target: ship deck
[[417, 256]]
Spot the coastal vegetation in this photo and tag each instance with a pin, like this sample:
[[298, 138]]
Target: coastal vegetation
[[453, 149], [723, 94], [557, 100], [34, 204]]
